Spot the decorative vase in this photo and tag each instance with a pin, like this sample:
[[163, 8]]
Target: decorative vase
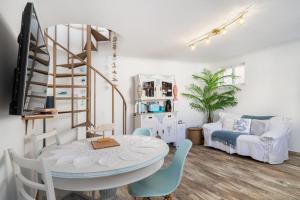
[[175, 92]]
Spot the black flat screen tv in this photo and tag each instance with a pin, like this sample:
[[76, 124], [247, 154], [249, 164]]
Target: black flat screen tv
[[31, 74]]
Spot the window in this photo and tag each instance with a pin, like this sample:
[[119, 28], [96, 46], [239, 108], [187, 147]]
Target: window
[[228, 80], [238, 71]]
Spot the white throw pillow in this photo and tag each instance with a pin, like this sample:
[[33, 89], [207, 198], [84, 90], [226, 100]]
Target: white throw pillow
[[227, 124], [228, 119], [242, 125], [259, 127]]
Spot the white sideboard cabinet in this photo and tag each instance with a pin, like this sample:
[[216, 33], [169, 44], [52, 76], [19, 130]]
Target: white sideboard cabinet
[[163, 125]]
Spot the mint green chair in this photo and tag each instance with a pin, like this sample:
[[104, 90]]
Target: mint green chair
[[166, 180], [142, 131]]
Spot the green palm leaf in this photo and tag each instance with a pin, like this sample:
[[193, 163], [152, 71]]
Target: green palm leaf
[[211, 93]]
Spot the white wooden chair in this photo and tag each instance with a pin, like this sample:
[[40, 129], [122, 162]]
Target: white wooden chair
[[67, 137], [59, 139], [37, 141], [38, 166]]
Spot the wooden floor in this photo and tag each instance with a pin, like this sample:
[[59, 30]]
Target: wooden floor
[[212, 174]]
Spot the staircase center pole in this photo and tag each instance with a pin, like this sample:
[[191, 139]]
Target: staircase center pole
[[113, 107], [54, 65], [88, 69]]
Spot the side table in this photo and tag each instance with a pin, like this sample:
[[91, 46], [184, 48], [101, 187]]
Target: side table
[[195, 134]]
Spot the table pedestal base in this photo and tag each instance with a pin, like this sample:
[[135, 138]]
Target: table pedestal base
[[76, 196], [109, 194]]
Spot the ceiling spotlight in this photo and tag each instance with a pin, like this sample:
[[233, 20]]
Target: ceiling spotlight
[[241, 20], [207, 40], [192, 47], [220, 30]]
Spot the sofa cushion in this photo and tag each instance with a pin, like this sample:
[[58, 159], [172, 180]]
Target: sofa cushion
[[259, 127], [257, 117], [227, 124], [227, 120], [242, 125]]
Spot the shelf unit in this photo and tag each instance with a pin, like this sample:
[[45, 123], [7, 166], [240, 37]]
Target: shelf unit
[[155, 89], [38, 116]]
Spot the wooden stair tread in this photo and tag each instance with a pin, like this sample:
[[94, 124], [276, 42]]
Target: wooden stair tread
[[41, 46], [70, 65], [38, 83], [94, 48], [36, 96], [38, 71], [40, 60], [79, 125], [67, 86], [65, 75], [39, 116], [82, 55], [70, 111], [34, 48], [98, 36], [32, 37], [69, 98]]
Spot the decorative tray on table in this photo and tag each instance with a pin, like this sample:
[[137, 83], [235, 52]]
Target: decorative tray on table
[[104, 143]]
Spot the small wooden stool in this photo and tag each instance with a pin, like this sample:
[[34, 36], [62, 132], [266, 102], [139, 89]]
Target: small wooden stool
[[195, 134]]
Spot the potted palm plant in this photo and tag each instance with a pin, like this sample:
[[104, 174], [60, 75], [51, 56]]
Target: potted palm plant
[[211, 93]]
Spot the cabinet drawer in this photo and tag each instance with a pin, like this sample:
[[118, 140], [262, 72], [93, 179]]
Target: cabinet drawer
[[150, 122], [149, 118], [170, 116]]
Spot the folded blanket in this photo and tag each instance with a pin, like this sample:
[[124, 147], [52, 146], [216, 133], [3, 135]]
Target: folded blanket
[[226, 137]]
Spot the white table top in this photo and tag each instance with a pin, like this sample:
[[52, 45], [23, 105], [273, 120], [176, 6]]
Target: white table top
[[80, 160]]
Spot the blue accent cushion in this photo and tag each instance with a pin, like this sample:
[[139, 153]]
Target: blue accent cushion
[[257, 117]]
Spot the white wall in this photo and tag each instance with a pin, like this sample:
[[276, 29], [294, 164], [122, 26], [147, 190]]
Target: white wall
[[12, 128], [127, 68], [272, 85]]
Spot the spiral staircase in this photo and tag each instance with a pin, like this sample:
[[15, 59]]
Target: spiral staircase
[[79, 75]]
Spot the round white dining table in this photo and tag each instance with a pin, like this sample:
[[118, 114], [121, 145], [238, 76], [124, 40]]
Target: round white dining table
[[78, 167]]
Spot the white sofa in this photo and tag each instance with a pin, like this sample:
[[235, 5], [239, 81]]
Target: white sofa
[[270, 147]]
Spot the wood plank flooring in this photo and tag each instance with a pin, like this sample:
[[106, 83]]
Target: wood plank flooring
[[211, 174]]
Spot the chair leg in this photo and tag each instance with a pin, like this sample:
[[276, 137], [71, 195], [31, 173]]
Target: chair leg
[[94, 195], [168, 197], [37, 197]]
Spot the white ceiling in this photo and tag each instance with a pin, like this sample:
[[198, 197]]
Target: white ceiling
[[161, 28]]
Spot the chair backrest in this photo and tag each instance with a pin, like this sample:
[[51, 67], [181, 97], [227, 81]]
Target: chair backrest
[[142, 131], [67, 137], [36, 141], [177, 165], [37, 166]]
